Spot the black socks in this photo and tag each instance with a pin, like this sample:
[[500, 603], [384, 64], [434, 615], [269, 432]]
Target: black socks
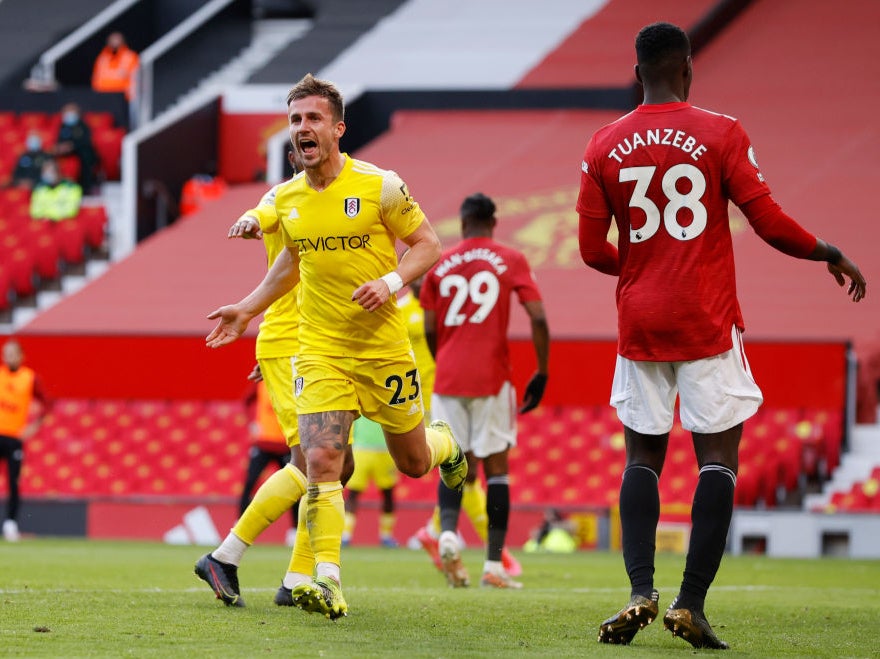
[[639, 514], [711, 512]]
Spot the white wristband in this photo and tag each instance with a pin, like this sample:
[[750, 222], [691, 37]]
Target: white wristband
[[394, 281]]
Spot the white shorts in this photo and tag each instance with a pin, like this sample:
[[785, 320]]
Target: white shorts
[[716, 393], [483, 426]]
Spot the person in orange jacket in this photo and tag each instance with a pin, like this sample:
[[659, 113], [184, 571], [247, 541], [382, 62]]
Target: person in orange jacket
[[115, 67], [20, 387]]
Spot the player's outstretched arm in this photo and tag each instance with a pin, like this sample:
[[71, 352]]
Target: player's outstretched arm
[[234, 318], [785, 234]]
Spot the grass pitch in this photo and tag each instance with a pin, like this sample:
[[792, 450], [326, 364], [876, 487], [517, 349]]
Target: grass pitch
[[80, 598]]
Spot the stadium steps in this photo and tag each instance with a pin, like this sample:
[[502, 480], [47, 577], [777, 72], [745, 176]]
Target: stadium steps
[[856, 466], [72, 278], [270, 37], [69, 283]]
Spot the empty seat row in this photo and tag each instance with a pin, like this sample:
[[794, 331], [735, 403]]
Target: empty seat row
[[199, 448], [35, 251]]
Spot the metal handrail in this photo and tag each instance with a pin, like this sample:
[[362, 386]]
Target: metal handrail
[[144, 79]]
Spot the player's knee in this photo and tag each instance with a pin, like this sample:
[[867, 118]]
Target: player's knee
[[413, 466]]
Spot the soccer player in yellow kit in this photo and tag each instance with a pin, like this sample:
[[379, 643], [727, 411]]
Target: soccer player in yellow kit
[[277, 344], [341, 218]]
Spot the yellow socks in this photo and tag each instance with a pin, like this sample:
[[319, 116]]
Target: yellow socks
[[441, 446], [302, 559], [274, 498], [386, 525], [473, 502], [326, 519]]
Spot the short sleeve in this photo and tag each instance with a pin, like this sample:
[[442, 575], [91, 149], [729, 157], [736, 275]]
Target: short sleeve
[[524, 282], [265, 212], [742, 176], [400, 212], [591, 202]]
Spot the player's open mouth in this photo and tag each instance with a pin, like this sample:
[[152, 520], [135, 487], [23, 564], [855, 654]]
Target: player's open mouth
[[307, 146]]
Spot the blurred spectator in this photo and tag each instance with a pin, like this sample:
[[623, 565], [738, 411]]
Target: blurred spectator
[[53, 197], [23, 407], [75, 138], [199, 189], [30, 164], [115, 67], [556, 535]]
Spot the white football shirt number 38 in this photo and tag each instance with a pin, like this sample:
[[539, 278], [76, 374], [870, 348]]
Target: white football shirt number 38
[[482, 289], [677, 200]]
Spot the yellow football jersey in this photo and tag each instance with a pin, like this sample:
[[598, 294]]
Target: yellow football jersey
[[414, 317], [279, 330], [345, 236]]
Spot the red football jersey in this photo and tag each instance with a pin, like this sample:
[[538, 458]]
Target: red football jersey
[[469, 289], [666, 173]]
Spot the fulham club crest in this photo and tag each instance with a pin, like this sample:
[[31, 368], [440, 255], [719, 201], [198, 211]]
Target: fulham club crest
[[352, 206]]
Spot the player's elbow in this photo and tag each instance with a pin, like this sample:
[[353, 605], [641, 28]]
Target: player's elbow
[[435, 248], [599, 260]]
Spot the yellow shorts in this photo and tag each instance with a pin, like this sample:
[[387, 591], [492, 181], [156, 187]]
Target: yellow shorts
[[387, 391], [278, 374], [373, 467]]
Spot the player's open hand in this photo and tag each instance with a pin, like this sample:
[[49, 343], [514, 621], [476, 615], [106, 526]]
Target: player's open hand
[[256, 375], [372, 295], [233, 323], [846, 268], [245, 227]]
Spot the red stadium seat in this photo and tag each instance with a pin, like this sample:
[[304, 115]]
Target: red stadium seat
[[8, 121], [747, 485], [7, 226], [69, 167], [33, 121], [97, 121], [790, 453], [20, 265], [53, 124], [16, 198], [71, 407], [46, 256], [13, 142], [108, 144], [71, 241], [7, 167], [94, 222], [5, 290]]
